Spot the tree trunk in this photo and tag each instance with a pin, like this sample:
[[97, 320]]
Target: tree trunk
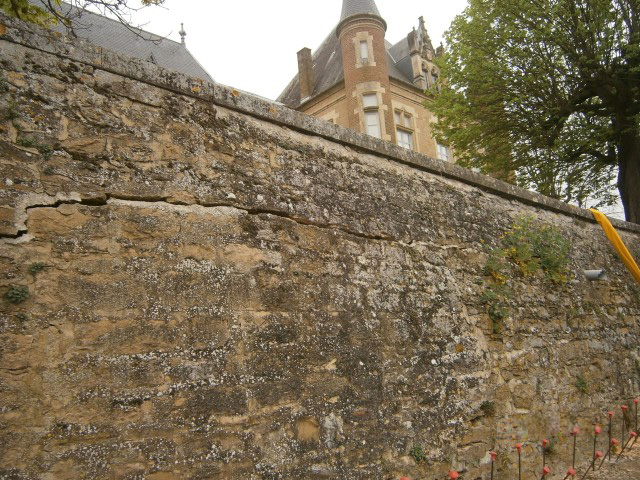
[[629, 174]]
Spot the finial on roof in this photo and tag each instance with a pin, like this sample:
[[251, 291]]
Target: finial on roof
[[183, 34], [357, 8]]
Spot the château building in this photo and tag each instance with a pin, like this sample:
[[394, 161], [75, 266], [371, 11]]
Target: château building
[[357, 79]]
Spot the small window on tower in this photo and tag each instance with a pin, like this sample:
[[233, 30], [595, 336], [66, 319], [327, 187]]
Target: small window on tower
[[370, 100], [371, 114], [364, 51], [373, 123]]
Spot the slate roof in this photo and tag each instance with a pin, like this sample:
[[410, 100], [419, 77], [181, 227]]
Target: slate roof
[[327, 68], [352, 8], [112, 35]]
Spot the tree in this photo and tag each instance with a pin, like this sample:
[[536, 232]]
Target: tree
[[546, 94], [47, 12]]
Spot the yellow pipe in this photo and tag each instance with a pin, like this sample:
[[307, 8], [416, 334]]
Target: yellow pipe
[[617, 243]]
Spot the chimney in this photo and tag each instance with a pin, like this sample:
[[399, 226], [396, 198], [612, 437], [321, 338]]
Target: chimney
[[305, 73]]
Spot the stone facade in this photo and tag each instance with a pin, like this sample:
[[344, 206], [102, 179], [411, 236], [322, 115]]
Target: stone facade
[[208, 285]]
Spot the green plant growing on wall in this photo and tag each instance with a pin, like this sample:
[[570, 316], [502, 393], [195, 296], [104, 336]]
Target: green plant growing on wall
[[497, 266], [10, 111], [496, 297], [550, 449], [534, 246], [528, 247], [581, 384], [17, 294], [45, 150], [26, 142], [418, 454], [488, 408], [36, 268]]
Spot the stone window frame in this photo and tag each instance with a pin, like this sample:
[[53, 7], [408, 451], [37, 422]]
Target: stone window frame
[[331, 116], [402, 127], [371, 111], [408, 109], [364, 37], [447, 151], [371, 87]]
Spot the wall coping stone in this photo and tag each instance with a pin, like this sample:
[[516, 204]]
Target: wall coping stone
[[82, 51]]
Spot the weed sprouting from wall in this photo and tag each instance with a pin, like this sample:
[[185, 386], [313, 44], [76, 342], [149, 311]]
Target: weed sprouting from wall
[[528, 247], [418, 454], [581, 384], [36, 268], [488, 408], [17, 294]]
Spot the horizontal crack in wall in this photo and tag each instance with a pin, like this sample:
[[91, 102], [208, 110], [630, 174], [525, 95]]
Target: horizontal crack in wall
[[45, 201]]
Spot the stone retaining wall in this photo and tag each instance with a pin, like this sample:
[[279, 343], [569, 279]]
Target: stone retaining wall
[[220, 287]]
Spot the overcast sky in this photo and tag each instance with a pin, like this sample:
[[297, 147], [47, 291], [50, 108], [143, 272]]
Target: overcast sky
[[252, 44]]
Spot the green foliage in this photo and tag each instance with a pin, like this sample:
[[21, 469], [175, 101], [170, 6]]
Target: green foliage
[[26, 142], [496, 265], [533, 90], [496, 297], [50, 12], [17, 294], [531, 246], [45, 150], [488, 408], [535, 245], [550, 449], [36, 268], [11, 112], [527, 247], [4, 87], [581, 384], [418, 454], [23, 10]]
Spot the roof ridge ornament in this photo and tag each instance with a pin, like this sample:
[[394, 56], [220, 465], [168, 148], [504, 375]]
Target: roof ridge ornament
[[182, 34]]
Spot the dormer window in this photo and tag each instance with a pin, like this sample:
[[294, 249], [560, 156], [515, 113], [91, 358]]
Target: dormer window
[[364, 51]]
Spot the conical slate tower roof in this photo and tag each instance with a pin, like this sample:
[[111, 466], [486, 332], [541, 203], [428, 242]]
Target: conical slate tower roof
[[356, 8]]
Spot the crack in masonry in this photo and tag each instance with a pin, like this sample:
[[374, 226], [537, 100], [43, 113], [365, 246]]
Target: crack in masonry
[[262, 211], [54, 202], [110, 197]]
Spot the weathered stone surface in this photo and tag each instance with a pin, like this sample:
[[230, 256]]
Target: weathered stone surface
[[230, 289]]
